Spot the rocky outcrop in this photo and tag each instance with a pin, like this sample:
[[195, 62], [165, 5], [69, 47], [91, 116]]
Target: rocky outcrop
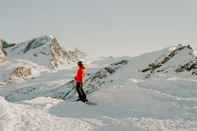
[[5, 44], [2, 53], [61, 56], [188, 67], [20, 73], [32, 45], [172, 57]]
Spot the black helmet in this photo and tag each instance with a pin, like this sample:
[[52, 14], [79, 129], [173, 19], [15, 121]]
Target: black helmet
[[80, 63]]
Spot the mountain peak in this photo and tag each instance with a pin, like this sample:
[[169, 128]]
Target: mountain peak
[[174, 60], [45, 50], [51, 36]]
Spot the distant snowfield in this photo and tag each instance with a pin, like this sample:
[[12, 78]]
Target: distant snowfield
[[127, 101]]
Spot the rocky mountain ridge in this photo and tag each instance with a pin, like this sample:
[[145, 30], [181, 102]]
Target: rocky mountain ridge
[[178, 59]]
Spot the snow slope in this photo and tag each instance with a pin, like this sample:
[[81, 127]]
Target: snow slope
[[18, 117], [130, 107], [126, 98]]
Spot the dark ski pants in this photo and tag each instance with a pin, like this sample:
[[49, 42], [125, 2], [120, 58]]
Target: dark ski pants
[[81, 93]]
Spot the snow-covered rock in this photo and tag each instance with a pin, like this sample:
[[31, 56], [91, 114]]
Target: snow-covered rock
[[6, 44], [191, 66], [2, 53], [20, 72]]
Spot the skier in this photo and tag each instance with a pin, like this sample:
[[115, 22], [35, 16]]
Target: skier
[[79, 79]]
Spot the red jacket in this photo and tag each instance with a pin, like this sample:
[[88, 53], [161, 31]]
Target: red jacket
[[80, 75]]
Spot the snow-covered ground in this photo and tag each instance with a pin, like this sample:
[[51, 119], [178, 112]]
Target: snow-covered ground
[[126, 99], [157, 104]]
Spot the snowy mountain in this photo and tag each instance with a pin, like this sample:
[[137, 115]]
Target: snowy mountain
[[45, 50], [177, 59], [154, 91], [30, 58]]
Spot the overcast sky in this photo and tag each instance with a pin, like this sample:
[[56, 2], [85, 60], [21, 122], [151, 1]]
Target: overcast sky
[[102, 27]]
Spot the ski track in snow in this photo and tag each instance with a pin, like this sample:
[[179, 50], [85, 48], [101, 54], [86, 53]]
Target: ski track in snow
[[17, 117]]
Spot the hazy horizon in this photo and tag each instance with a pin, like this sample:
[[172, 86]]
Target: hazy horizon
[[104, 27]]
